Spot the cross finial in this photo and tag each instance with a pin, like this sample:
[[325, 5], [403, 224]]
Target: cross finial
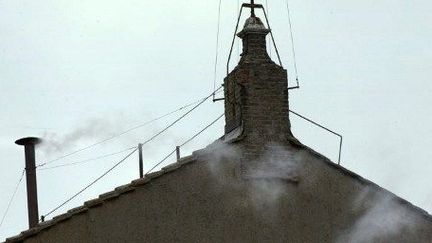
[[253, 8]]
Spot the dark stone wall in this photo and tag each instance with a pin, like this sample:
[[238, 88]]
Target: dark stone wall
[[260, 188], [254, 48], [205, 201], [256, 94]]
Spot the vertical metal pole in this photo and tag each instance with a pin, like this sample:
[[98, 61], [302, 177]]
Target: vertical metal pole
[[30, 168], [178, 152], [233, 40], [325, 128], [140, 154], [272, 38], [340, 149]]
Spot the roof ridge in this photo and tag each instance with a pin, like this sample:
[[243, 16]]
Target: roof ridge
[[196, 156], [101, 199], [363, 180]]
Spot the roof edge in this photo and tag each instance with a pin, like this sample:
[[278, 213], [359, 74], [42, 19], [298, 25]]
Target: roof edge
[[134, 184], [99, 201]]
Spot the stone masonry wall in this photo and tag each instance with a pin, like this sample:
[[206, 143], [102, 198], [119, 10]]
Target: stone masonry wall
[[204, 201]]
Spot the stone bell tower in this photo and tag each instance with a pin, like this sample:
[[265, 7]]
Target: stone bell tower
[[256, 92]]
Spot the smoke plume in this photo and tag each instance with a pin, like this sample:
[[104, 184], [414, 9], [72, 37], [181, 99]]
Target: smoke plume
[[101, 131], [266, 175], [382, 217], [92, 129]]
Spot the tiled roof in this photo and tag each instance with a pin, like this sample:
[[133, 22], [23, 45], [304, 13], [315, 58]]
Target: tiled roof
[[119, 191]]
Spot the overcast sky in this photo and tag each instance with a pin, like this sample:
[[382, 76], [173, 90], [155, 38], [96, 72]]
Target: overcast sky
[[85, 70]]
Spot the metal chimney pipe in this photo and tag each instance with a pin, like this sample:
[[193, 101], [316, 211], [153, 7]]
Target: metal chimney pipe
[[30, 168]]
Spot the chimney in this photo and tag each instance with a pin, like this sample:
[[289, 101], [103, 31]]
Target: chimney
[[256, 93], [30, 168]]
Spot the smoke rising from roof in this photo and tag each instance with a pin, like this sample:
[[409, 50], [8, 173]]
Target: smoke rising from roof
[[100, 131], [89, 130], [272, 179], [267, 175], [381, 217]]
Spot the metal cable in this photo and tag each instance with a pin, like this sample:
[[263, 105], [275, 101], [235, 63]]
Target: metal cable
[[160, 162], [233, 40], [292, 42], [325, 128], [202, 130], [163, 130], [181, 117], [238, 41], [272, 37], [119, 134], [217, 48], [187, 141], [12, 197], [89, 185], [127, 149], [268, 13], [86, 160]]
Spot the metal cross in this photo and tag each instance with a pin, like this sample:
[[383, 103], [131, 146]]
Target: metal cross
[[253, 8]]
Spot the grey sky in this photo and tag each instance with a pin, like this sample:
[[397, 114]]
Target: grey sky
[[364, 69]]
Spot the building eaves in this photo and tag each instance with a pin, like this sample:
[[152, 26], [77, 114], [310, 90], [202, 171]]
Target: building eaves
[[364, 181], [124, 189], [117, 192]]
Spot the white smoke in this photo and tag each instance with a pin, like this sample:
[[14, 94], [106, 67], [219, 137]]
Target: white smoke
[[267, 176], [98, 130], [218, 153], [91, 129], [277, 162], [381, 218], [272, 175]]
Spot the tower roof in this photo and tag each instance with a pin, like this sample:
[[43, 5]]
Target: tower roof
[[253, 25]]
